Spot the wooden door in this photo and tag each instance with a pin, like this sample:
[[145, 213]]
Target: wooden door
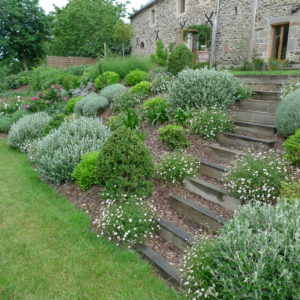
[[280, 41]]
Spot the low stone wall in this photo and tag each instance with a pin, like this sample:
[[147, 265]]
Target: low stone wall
[[64, 62]]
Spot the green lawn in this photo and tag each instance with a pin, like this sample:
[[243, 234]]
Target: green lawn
[[260, 73], [47, 250]]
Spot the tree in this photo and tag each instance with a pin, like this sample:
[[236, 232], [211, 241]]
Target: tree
[[83, 26], [122, 33], [23, 29]]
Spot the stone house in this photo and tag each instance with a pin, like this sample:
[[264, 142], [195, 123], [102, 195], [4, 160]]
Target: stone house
[[242, 29]]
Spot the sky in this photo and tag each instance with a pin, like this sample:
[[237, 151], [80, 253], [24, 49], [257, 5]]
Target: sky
[[47, 5]]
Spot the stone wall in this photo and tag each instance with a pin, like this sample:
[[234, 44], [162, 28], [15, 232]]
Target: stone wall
[[234, 30], [167, 22]]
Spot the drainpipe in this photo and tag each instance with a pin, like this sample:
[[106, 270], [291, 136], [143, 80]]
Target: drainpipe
[[252, 28], [214, 35]]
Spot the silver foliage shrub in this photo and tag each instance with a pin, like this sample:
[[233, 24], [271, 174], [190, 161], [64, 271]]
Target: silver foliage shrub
[[204, 88], [112, 91], [256, 256], [57, 154], [90, 105], [27, 129]]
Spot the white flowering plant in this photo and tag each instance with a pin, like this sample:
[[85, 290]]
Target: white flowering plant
[[290, 86], [127, 222], [209, 122], [162, 83], [255, 256], [175, 167], [257, 177]]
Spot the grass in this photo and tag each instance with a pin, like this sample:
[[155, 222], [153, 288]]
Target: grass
[[259, 73], [47, 250]]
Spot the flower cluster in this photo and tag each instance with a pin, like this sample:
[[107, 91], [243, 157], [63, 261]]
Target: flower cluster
[[11, 107], [177, 166], [257, 177], [292, 85], [162, 83], [126, 222]]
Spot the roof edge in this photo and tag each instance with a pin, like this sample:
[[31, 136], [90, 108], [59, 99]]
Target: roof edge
[[143, 8]]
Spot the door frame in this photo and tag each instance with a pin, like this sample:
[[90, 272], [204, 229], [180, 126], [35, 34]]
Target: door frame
[[281, 39]]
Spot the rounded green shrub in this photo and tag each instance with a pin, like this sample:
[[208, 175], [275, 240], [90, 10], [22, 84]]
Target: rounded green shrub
[[5, 124], [174, 137], [28, 129], [107, 78], [176, 167], [292, 148], [208, 123], [95, 105], [125, 165], [111, 91], [84, 173], [288, 114], [257, 177], [17, 115], [204, 88], [70, 82], [134, 77], [155, 110], [57, 154], [114, 122], [181, 57], [255, 256], [69, 108], [290, 191], [55, 121], [142, 88]]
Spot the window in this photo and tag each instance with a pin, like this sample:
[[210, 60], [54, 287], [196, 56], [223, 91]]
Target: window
[[280, 41], [181, 6], [153, 16]]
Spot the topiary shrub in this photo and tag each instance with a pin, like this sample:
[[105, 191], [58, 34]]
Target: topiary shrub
[[126, 100], [155, 110], [174, 137], [125, 165], [111, 91], [5, 124], [84, 173], [55, 121], [181, 57], [107, 78], [288, 114], [204, 88], [57, 154], [134, 77], [176, 167], [69, 108], [27, 129], [292, 148], [90, 105], [255, 256], [161, 54], [142, 88], [257, 177], [208, 123]]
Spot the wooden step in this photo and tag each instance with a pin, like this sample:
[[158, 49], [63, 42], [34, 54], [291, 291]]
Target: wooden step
[[242, 141], [266, 95], [171, 274], [196, 213], [223, 154], [212, 169], [254, 117], [212, 192], [175, 235], [254, 129], [259, 105]]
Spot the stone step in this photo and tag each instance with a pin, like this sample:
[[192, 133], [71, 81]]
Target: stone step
[[254, 129], [265, 86], [242, 141], [175, 235], [212, 169], [223, 154], [212, 192], [259, 105], [196, 213], [265, 95], [171, 274], [254, 116]]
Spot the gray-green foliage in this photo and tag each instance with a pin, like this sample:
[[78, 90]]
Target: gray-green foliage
[[90, 105], [204, 88], [5, 123], [256, 256], [112, 91], [288, 114], [27, 129], [57, 154]]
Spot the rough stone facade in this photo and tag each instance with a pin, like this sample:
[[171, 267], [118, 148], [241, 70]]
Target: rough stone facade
[[167, 21], [244, 30]]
